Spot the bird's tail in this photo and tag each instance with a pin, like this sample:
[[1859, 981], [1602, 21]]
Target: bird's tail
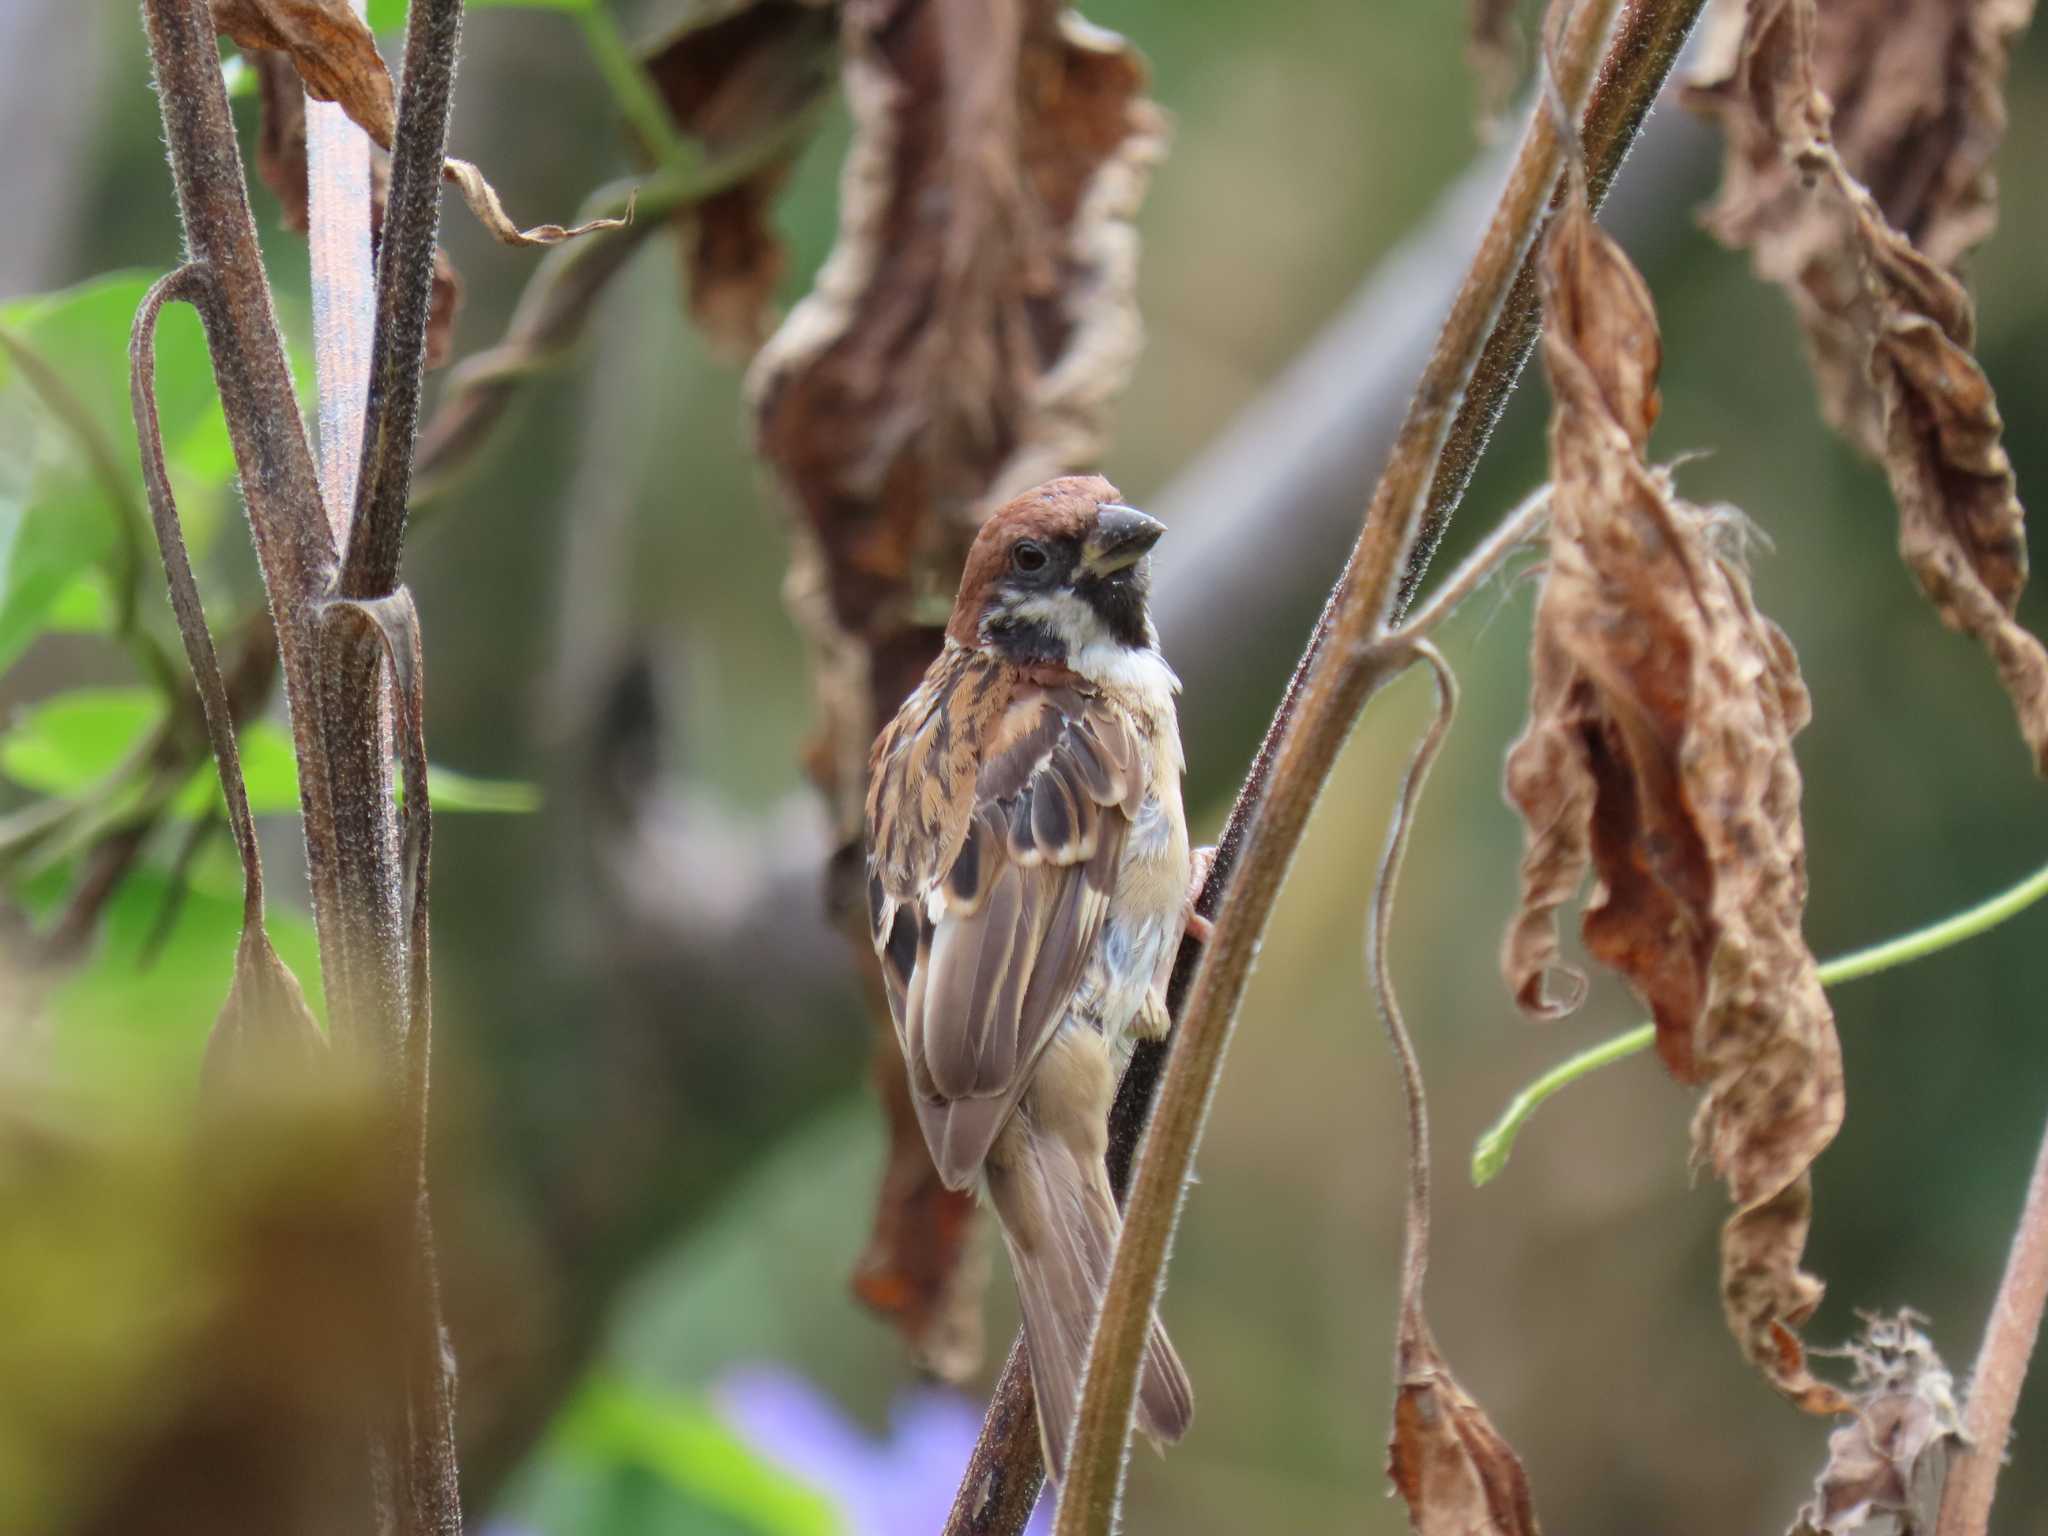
[[1060, 1223]]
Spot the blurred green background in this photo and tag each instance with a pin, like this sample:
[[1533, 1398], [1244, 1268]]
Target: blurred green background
[[692, 1240]]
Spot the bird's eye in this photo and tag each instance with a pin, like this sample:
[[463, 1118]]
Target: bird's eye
[[1028, 557]]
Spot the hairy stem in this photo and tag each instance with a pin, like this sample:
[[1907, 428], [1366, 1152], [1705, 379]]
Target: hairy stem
[[1339, 675], [2001, 1367]]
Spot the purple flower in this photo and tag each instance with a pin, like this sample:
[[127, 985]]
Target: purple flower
[[899, 1486]]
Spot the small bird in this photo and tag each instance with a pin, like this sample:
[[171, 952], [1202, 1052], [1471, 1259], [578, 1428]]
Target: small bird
[[1028, 884]]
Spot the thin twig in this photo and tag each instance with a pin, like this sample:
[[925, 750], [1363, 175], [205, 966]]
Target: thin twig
[[2001, 1367], [280, 488], [1316, 719], [1378, 946], [405, 286], [184, 284], [1521, 525], [1643, 51], [563, 291]]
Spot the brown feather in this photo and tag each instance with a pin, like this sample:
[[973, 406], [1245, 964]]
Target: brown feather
[[1020, 805]]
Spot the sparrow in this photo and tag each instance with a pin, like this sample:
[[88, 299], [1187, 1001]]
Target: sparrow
[[1028, 879]]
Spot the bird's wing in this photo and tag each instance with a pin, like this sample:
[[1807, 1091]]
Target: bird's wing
[[985, 931]]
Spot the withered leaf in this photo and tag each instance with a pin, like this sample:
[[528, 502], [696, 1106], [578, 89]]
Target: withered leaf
[[920, 1269], [941, 364], [1887, 1467], [336, 58], [1449, 1464], [733, 84], [266, 1034], [1888, 325], [330, 47], [281, 163], [1658, 750]]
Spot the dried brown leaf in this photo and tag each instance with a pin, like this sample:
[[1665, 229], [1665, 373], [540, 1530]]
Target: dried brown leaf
[[266, 1034], [920, 1269], [942, 364], [281, 163], [1870, 266], [1451, 1466], [337, 60], [329, 45], [483, 202], [1658, 750], [1886, 1469], [729, 84]]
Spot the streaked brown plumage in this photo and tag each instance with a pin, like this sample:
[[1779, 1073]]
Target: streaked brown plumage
[[1028, 865]]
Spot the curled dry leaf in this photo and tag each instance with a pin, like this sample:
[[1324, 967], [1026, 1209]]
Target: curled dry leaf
[[730, 84], [266, 1034], [1886, 1469], [336, 58], [943, 364], [1862, 212], [1658, 750], [281, 163], [330, 47], [1445, 1458]]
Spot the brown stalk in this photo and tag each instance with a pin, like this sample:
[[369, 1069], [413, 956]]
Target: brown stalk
[[2001, 1367], [1005, 1471], [1343, 668], [375, 969]]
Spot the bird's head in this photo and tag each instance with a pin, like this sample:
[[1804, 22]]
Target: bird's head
[[1059, 576]]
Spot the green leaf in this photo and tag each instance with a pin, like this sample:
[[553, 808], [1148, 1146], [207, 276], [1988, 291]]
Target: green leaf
[[389, 15], [47, 536], [71, 492], [270, 774], [67, 744], [81, 608], [137, 1015], [82, 333], [622, 1425], [452, 791]]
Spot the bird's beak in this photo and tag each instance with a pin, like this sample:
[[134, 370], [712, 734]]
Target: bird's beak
[[1122, 536]]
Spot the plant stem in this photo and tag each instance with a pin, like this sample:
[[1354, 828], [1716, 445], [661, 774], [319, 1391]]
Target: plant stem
[[2001, 1367], [1491, 1152], [405, 283], [1316, 717], [633, 93], [1645, 47]]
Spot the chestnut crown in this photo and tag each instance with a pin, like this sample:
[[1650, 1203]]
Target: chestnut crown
[[1057, 574]]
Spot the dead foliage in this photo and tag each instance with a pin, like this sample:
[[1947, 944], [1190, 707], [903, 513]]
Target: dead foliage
[[1658, 751], [1887, 1467], [1453, 1469], [941, 365], [730, 84], [1858, 176], [281, 163], [336, 58]]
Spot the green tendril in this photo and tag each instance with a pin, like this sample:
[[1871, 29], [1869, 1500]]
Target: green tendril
[[1490, 1152]]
